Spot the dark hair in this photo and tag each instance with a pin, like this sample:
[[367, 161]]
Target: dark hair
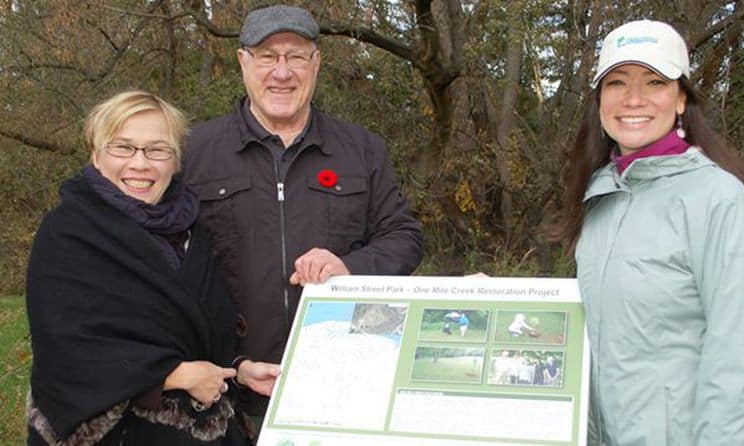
[[701, 134], [591, 150]]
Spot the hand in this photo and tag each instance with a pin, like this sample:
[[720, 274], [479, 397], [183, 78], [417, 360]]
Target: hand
[[316, 266], [258, 376], [479, 274], [203, 380]]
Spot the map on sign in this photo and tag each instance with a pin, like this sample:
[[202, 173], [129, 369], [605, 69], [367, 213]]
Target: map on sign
[[357, 343], [433, 361]]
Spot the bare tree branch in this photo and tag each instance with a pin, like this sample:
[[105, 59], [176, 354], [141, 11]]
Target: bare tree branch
[[121, 49], [699, 39], [107, 37], [118, 53], [147, 14], [710, 66], [41, 66], [456, 32], [428, 28], [170, 68], [88, 77], [367, 35], [34, 142], [360, 33], [201, 19]]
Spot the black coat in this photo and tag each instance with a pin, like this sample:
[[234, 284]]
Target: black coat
[[362, 217], [110, 319]]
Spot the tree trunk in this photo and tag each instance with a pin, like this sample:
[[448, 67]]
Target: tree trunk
[[506, 117]]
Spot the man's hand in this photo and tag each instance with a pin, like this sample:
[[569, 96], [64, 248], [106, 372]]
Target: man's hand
[[258, 376], [316, 266]]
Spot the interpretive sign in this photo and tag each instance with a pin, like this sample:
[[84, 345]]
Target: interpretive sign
[[381, 360]]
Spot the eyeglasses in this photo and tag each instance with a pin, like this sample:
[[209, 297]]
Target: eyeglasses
[[269, 58], [125, 150]]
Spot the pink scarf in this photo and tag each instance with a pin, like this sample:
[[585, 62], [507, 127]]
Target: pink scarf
[[671, 144]]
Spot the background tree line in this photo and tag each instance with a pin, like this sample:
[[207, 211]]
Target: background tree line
[[477, 99]]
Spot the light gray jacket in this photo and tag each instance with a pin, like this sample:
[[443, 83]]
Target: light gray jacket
[[661, 270]]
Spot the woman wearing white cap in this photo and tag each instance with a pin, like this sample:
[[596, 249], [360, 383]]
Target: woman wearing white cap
[[655, 212]]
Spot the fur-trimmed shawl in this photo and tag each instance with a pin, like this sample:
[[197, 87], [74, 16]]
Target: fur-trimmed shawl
[[87, 433], [206, 428], [110, 319], [170, 413]]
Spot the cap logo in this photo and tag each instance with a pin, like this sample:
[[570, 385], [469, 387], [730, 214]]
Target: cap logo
[[623, 41]]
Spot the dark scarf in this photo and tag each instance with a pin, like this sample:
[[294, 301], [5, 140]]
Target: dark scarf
[[109, 319], [167, 221]]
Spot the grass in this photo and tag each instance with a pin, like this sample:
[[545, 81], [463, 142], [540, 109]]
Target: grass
[[449, 369], [433, 332], [15, 364]]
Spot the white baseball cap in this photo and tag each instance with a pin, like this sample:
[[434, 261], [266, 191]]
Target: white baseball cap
[[655, 45]]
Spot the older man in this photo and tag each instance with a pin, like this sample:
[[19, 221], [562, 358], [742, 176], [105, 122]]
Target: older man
[[291, 195]]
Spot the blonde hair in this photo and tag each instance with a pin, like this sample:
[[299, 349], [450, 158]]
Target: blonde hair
[[107, 118]]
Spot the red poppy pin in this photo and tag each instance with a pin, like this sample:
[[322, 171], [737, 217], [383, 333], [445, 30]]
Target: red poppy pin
[[327, 178]]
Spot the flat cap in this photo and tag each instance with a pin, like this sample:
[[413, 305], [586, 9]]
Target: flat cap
[[262, 23]]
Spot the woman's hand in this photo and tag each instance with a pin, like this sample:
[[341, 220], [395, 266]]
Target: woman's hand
[[203, 380], [258, 376]]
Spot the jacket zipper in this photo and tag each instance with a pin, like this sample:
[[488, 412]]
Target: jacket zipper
[[605, 262], [282, 228], [285, 279]]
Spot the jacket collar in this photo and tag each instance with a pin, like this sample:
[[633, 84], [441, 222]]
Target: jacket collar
[[607, 180], [671, 144], [253, 132]]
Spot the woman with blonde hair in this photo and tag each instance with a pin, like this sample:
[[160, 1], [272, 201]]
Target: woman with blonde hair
[[132, 328]]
